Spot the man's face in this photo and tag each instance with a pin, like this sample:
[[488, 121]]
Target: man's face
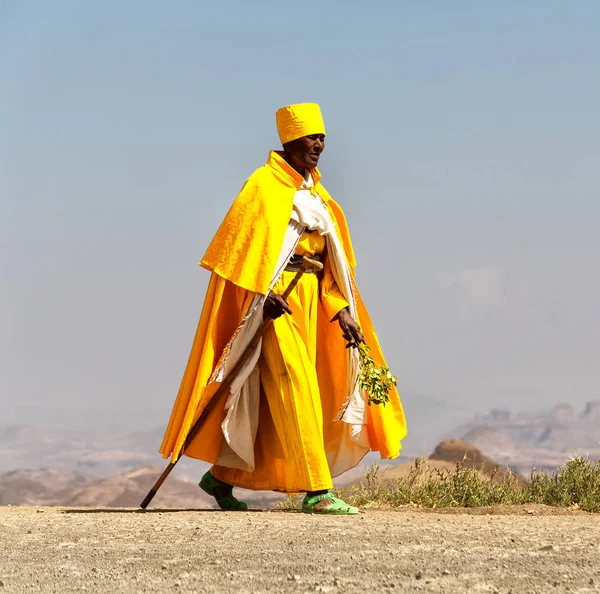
[[304, 152]]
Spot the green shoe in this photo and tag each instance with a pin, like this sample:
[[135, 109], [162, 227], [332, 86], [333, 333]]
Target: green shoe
[[327, 504], [228, 502]]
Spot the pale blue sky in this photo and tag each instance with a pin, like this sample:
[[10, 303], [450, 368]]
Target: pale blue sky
[[462, 143]]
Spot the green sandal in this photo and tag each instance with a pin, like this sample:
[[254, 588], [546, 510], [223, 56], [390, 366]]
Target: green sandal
[[318, 505], [229, 502]]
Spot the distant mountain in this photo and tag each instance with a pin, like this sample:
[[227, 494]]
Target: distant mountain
[[558, 429], [127, 489], [455, 450], [543, 440], [36, 487], [488, 439], [98, 453], [94, 452]]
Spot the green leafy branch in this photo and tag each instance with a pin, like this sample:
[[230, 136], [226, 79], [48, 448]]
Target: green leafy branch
[[376, 381]]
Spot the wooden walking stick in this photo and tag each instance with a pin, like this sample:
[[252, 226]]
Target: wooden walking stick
[[306, 265]]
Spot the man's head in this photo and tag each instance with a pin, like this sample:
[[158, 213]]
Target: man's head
[[302, 133]]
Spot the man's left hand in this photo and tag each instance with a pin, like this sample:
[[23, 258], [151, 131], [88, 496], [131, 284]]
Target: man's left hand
[[350, 329]]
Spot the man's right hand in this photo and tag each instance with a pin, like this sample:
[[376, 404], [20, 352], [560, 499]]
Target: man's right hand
[[276, 305]]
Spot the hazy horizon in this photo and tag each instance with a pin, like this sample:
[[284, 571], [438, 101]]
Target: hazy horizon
[[462, 142]]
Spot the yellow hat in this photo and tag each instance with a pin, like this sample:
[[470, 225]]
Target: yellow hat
[[296, 121]]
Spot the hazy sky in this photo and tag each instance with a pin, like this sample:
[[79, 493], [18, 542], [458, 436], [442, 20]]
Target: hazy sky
[[463, 143]]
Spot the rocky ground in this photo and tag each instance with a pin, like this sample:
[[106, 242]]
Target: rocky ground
[[530, 549]]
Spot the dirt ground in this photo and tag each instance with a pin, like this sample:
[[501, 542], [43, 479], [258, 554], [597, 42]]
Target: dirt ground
[[531, 549]]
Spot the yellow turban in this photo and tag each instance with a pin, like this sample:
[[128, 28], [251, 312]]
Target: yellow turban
[[296, 121]]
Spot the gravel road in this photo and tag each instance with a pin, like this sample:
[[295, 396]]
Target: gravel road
[[532, 549]]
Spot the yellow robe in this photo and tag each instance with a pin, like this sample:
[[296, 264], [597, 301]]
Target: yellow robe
[[289, 449], [303, 361]]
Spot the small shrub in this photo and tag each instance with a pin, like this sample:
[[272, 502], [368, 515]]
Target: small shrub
[[463, 486], [576, 484]]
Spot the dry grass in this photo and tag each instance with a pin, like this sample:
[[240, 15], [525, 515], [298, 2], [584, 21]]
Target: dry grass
[[576, 484]]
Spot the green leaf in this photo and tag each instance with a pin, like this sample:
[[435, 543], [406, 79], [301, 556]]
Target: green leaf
[[376, 381]]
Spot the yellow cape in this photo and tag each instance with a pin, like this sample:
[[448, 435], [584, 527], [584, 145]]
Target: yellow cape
[[243, 254]]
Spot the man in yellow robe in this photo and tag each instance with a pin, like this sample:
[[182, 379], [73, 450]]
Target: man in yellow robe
[[294, 416]]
